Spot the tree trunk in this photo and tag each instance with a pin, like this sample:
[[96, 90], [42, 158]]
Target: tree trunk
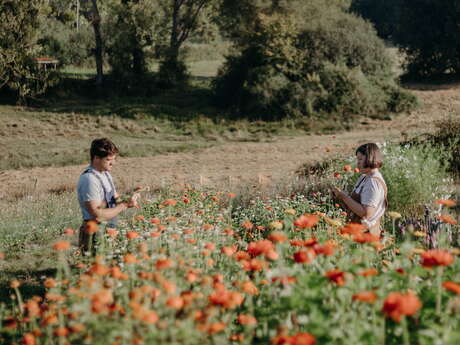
[[96, 22]]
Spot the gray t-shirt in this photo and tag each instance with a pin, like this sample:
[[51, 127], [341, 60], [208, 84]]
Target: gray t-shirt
[[89, 188]]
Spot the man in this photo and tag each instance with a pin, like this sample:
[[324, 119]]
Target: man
[[96, 191]]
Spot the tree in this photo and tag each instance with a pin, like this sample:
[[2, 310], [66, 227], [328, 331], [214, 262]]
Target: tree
[[90, 11], [298, 58], [426, 32], [19, 23], [182, 19], [132, 28]]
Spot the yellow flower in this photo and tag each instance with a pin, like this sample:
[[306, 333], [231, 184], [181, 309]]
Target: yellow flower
[[394, 214], [418, 251], [276, 225], [333, 222], [290, 211], [419, 234]]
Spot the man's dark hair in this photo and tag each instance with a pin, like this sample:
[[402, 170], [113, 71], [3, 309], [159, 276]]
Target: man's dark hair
[[374, 157], [102, 148]]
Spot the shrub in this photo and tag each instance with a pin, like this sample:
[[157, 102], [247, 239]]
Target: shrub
[[447, 138], [309, 61]]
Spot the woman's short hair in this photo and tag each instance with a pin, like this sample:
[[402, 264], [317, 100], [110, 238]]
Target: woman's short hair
[[102, 148], [374, 157]]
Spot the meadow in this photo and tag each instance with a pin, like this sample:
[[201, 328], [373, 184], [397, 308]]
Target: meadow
[[250, 264], [274, 264]]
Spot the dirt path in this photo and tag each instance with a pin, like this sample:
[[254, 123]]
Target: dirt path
[[234, 163]]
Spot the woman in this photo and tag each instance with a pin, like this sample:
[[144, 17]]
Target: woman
[[368, 200]]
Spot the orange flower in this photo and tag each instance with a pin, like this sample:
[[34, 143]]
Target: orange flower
[[130, 258], [231, 195], [229, 232], [253, 265], [446, 202], [29, 339], [347, 168], [249, 287], [260, 247], [14, 284], [229, 251], [366, 238], [99, 269], [436, 257], [240, 256], [155, 221], [101, 300], [69, 231], [337, 175], [365, 296], [397, 305], [61, 332], [298, 339], [111, 232], [336, 276], [33, 309], [326, 249], [226, 299], [116, 273], [306, 221], [150, 317], [170, 202], [368, 273], [286, 280], [163, 264], [132, 235], [277, 237], [247, 225], [238, 337], [92, 227], [50, 283], [210, 246], [207, 227], [304, 256], [451, 286], [352, 229], [447, 219], [246, 320], [61, 246], [175, 302], [216, 327]]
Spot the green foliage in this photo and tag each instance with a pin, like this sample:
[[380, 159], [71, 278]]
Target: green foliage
[[130, 30], [19, 23], [425, 30], [306, 59], [447, 138], [415, 175], [61, 41]]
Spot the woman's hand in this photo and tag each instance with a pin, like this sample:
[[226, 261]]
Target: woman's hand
[[133, 200], [338, 193]]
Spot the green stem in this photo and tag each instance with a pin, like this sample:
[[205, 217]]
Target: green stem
[[439, 290], [20, 302], [405, 331]]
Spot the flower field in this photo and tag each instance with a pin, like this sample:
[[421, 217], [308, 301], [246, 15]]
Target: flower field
[[193, 267]]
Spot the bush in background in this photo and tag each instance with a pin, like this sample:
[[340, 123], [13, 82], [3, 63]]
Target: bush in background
[[301, 59], [447, 138]]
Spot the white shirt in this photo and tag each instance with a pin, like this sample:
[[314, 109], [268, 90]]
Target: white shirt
[[372, 194]]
